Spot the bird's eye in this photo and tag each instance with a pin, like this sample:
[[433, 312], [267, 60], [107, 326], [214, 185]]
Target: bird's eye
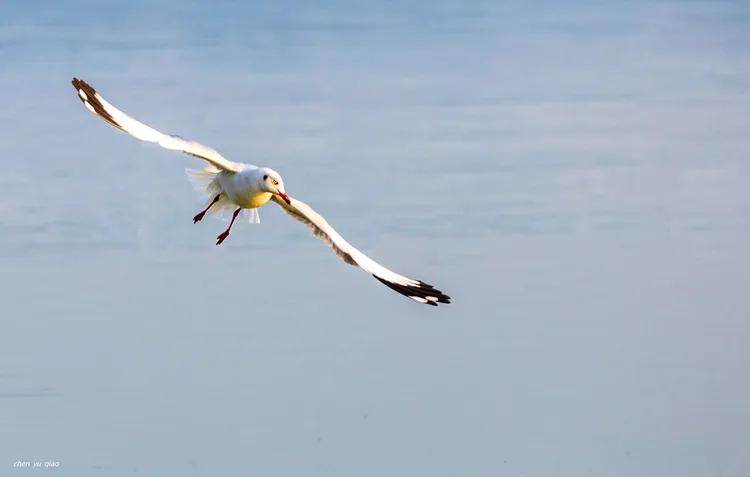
[[265, 178], [275, 182]]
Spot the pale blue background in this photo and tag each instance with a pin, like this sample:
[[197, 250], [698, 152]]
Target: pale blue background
[[574, 174]]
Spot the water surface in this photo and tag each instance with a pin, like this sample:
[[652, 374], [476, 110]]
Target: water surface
[[575, 176]]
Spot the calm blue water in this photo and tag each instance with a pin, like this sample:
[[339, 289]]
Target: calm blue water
[[575, 176]]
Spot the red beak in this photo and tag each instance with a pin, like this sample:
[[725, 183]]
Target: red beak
[[286, 198]]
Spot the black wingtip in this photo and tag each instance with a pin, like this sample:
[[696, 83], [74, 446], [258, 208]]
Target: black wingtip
[[87, 95], [423, 291], [81, 85]]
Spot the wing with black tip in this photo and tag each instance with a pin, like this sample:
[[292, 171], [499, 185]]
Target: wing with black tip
[[417, 290], [99, 106]]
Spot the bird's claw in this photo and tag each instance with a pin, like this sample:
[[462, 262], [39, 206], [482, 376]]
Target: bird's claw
[[198, 217], [221, 238]]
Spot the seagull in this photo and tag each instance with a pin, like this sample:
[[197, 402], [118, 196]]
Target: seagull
[[237, 186]]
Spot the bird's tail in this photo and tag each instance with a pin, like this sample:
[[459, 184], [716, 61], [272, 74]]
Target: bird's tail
[[205, 183], [204, 180]]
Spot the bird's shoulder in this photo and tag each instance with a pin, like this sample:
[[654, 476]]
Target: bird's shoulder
[[247, 170]]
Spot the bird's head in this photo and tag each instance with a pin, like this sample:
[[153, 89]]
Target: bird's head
[[270, 181]]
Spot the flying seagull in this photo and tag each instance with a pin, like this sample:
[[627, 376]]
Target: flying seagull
[[237, 186]]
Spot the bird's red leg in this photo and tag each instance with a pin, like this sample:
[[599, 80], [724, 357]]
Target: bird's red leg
[[202, 213], [222, 236]]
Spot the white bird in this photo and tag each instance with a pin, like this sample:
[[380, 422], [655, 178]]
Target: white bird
[[238, 186]]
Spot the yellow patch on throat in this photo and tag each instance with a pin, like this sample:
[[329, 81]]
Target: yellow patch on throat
[[256, 200]]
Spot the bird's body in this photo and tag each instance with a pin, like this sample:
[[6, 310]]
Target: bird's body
[[242, 187], [236, 186]]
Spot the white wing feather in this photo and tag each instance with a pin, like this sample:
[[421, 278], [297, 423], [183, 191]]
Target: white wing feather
[[415, 289], [99, 106]]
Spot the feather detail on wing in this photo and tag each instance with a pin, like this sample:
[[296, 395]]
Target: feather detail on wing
[[415, 289], [320, 228], [99, 106]]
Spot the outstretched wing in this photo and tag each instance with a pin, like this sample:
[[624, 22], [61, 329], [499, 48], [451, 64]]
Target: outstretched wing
[[97, 105], [415, 289]]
